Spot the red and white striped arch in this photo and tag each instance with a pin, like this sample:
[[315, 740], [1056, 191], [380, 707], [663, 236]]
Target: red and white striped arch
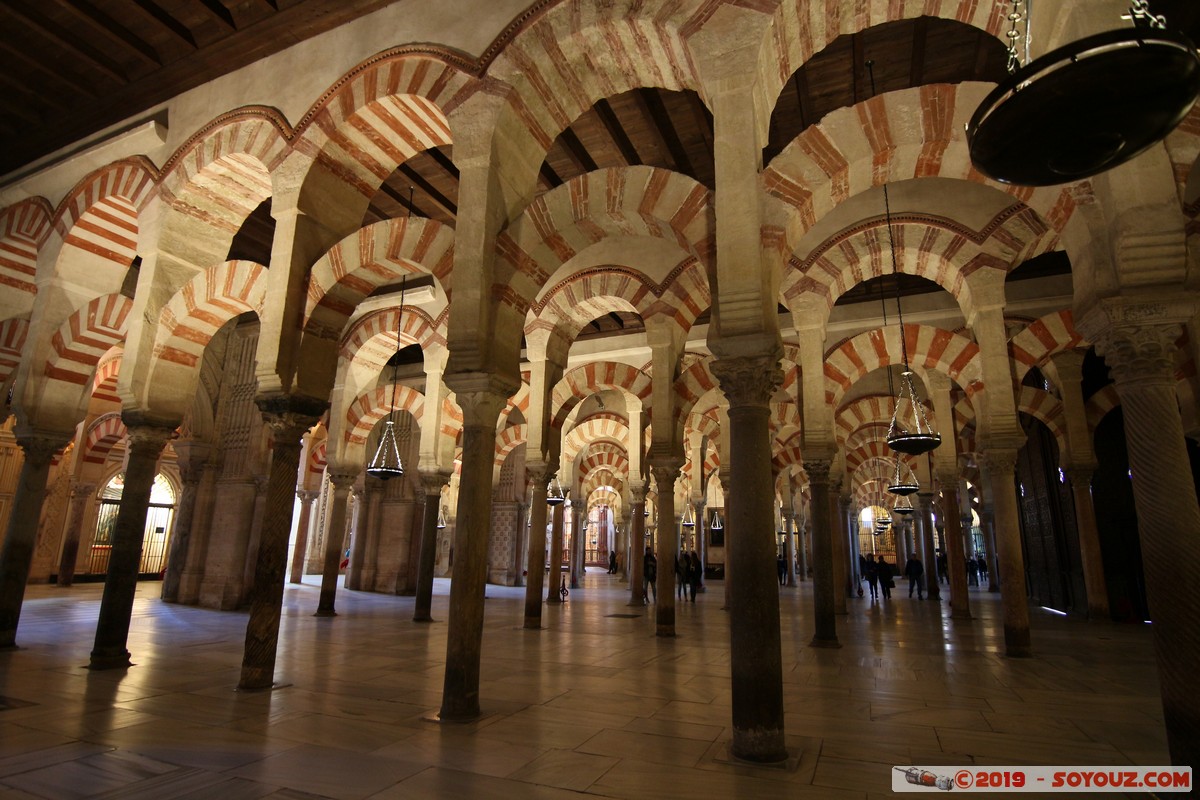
[[703, 423], [1099, 404], [100, 215], [24, 227], [371, 341], [604, 455], [875, 142], [605, 426], [368, 408], [228, 160], [104, 382], [876, 452], [197, 311], [12, 343], [375, 256], [509, 439], [102, 436], [866, 410], [86, 336], [695, 382], [317, 459], [602, 478], [786, 454], [452, 419], [630, 202], [1041, 339], [582, 382], [928, 348], [1047, 409], [585, 295], [869, 432]]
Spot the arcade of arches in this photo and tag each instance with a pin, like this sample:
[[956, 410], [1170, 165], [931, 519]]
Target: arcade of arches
[[676, 320]]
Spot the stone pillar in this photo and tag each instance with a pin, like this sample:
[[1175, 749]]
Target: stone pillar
[[729, 503], [191, 469], [1141, 358], [637, 545], [433, 483], [17, 554], [790, 547], [701, 535], [146, 443], [802, 546], [666, 471], [924, 505], [575, 558], [952, 544], [342, 480], [989, 521], [999, 471], [554, 560], [825, 625], [81, 495], [481, 399], [838, 540], [196, 564], [302, 529], [539, 478], [289, 419], [756, 663], [1089, 542], [365, 518]]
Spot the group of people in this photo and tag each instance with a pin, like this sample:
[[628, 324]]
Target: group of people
[[689, 575], [977, 569], [880, 575]]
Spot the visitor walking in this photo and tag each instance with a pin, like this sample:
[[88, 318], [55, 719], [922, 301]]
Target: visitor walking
[[914, 569], [649, 574]]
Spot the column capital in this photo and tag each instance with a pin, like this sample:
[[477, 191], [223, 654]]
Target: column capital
[[307, 496], [538, 472], [748, 380], [1140, 353], [480, 395], [637, 492], [818, 470], [1080, 475], [289, 418], [82, 490], [40, 447], [343, 477], [434, 481], [998, 460], [148, 436]]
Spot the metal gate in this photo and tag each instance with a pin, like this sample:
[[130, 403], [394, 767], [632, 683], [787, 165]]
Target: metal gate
[[154, 539]]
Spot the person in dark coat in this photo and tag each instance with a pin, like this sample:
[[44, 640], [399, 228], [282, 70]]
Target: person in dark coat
[[650, 574], [696, 575], [781, 567], [943, 568], [612, 562], [885, 577], [871, 573], [914, 569]]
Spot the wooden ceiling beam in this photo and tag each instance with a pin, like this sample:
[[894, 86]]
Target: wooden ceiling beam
[[166, 21], [576, 151], [49, 71], [617, 133], [444, 161], [16, 108], [916, 70], [89, 55], [401, 199], [112, 30], [665, 128], [438, 199], [46, 99], [217, 10], [548, 176]]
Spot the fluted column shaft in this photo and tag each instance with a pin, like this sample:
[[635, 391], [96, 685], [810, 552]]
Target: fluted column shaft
[[1142, 361], [666, 471], [481, 407], [81, 495], [999, 471], [554, 578], [433, 483], [306, 502], [538, 478], [960, 605], [1089, 543], [756, 662], [637, 546], [146, 443], [341, 481], [825, 625], [17, 554]]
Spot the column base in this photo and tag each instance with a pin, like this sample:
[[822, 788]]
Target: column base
[[665, 631], [464, 716], [533, 624], [102, 661], [255, 682], [829, 644], [321, 612], [764, 748], [423, 619]]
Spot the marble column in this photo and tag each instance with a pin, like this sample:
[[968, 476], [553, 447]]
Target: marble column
[[191, 470], [729, 503], [575, 558], [952, 544], [481, 398], [288, 419], [802, 546], [666, 471], [17, 554], [999, 471], [145, 445], [825, 625], [81, 496], [790, 547], [933, 589], [1142, 360], [989, 521], [554, 574], [1089, 542], [433, 483], [756, 663], [637, 545], [302, 529], [341, 481], [701, 530], [539, 478], [837, 543]]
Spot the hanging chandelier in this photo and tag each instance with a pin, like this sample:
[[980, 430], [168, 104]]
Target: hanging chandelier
[[1085, 107], [903, 485], [909, 431], [689, 520], [555, 496], [441, 520], [903, 506], [386, 463], [716, 524]]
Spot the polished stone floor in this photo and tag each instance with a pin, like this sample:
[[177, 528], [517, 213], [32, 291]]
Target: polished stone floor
[[594, 703]]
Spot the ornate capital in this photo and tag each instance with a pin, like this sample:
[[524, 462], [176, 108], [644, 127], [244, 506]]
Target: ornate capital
[[748, 380], [537, 474], [1140, 354], [40, 448], [343, 477], [307, 496], [83, 490], [1080, 475], [665, 471], [818, 471], [998, 462], [288, 427], [481, 409], [637, 493], [433, 481], [149, 438]]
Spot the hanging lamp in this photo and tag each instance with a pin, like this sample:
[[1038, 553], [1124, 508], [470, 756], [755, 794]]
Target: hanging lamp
[[441, 520], [1085, 107], [903, 485], [903, 506], [716, 524], [555, 496], [386, 464], [909, 431], [689, 520]]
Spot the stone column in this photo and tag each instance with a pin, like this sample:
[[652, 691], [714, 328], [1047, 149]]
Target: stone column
[[1089, 542], [191, 469], [81, 495], [701, 530], [999, 471], [433, 483], [341, 479], [756, 662], [803, 548], [289, 419], [481, 398], [365, 516], [838, 548], [145, 445], [637, 545], [825, 634], [17, 554], [925, 508], [1142, 362], [729, 503], [790, 547], [666, 471], [952, 543], [989, 521], [554, 575], [302, 525], [539, 478], [575, 558]]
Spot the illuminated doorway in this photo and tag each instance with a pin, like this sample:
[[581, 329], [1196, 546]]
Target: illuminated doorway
[[159, 515]]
